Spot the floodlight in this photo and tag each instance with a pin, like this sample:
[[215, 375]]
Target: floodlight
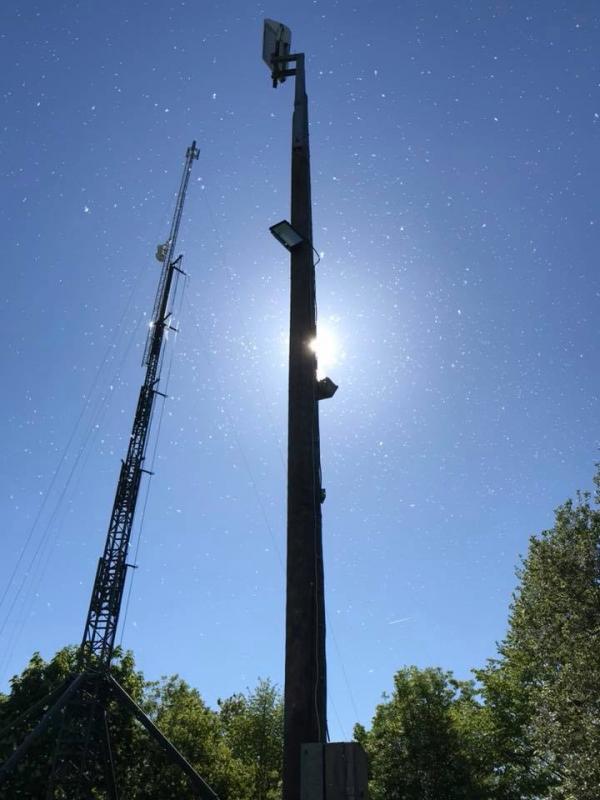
[[277, 40], [286, 235], [326, 388]]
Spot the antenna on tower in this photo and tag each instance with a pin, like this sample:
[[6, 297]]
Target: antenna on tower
[[83, 753]]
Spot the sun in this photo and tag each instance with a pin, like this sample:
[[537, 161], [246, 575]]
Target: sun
[[325, 347]]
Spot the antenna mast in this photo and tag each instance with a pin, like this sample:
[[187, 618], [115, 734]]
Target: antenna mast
[[83, 760], [105, 605]]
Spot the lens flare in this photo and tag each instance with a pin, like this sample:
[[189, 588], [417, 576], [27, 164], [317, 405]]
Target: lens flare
[[326, 349]]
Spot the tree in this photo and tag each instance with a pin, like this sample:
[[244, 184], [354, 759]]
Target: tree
[[543, 691], [423, 741], [143, 771], [253, 728], [36, 684], [181, 714]]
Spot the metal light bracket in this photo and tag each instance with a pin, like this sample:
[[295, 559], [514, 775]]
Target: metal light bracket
[[326, 388]]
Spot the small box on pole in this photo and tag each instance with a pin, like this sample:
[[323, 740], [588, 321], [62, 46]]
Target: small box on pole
[[333, 771]]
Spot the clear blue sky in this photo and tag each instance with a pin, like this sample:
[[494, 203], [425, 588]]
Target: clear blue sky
[[455, 152]]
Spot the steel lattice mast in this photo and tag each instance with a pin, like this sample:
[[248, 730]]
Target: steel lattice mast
[[103, 616], [78, 709]]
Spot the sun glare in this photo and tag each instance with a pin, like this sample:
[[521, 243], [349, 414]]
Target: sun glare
[[326, 348]]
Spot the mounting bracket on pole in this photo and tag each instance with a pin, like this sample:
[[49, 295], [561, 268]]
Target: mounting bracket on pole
[[277, 41]]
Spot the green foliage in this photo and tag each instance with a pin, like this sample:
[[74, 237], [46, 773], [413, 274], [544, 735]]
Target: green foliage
[[535, 735], [543, 692], [530, 729], [253, 729], [36, 683], [237, 749], [184, 718], [422, 743]]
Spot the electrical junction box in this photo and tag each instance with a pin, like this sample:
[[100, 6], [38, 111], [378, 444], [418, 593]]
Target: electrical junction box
[[333, 771]]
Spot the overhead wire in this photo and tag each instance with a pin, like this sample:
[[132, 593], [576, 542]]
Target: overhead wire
[[39, 560], [156, 437], [254, 485], [62, 458], [238, 442], [261, 505]]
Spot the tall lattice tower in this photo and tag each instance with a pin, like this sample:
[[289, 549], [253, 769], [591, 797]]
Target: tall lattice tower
[[82, 758]]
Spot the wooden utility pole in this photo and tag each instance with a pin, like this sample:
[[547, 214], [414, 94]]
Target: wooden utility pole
[[305, 658], [312, 768], [305, 719]]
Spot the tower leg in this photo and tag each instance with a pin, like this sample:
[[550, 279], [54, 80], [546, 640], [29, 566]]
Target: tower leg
[[203, 789], [47, 700], [109, 766], [77, 763], [52, 712]]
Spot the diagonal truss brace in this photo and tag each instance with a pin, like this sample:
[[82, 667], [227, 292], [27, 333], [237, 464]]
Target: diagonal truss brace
[[200, 785], [202, 789], [54, 709]]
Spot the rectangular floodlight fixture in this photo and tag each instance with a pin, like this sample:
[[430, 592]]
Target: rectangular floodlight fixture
[[326, 388], [286, 235], [277, 40]]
